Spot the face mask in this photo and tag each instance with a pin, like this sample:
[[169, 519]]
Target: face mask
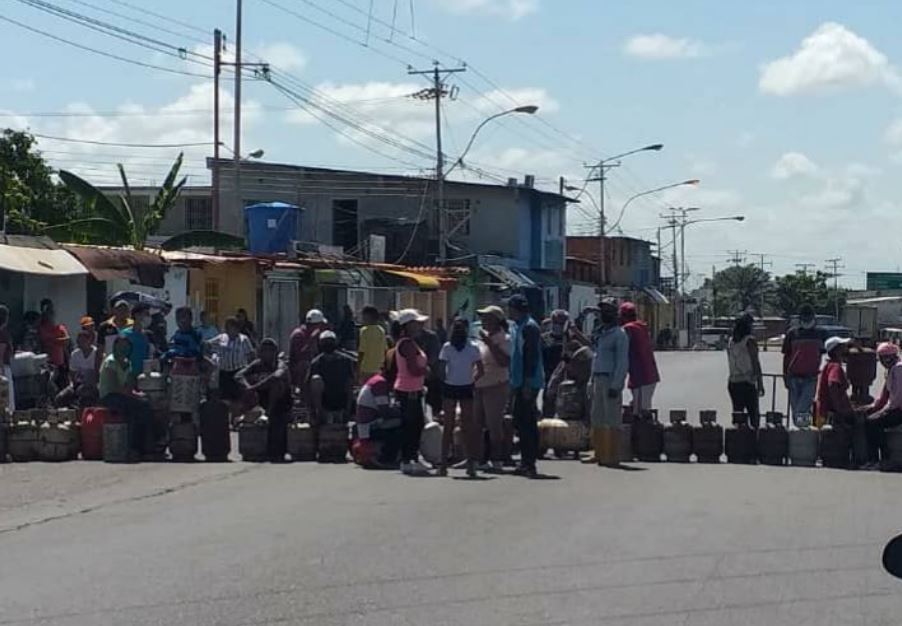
[[608, 317]]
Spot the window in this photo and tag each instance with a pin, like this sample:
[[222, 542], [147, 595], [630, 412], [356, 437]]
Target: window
[[458, 213], [211, 299], [344, 224], [198, 214]]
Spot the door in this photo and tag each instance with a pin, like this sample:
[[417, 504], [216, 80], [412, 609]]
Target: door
[[280, 308]]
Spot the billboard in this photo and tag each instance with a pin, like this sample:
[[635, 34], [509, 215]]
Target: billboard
[[883, 281]]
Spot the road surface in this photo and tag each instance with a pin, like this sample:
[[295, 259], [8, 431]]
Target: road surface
[[234, 544]]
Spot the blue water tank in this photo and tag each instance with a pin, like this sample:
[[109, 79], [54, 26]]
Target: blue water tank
[[271, 226]]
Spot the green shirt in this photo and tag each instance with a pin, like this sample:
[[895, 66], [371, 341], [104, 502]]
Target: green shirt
[[113, 375]]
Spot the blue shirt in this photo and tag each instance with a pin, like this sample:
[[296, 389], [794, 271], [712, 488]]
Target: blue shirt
[[521, 332], [140, 348], [185, 344], [612, 348]]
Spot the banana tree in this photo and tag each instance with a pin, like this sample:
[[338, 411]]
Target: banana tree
[[126, 222]]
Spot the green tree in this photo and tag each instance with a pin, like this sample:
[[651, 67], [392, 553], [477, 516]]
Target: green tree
[[29, 195], [793, 290], [125, 223], [740, 287]]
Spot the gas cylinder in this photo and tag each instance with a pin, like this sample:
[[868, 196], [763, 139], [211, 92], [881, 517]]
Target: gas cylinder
[[301, 442], [648, 438], [92, 420], [803, 446], [253, 437], [4, 441], [836, 445], [707, 438], [571, 401], [332, 443], [182, 438], [215, 438], [55, 441], [153, 385], [741, 444], [625, 447], [116, 439], [773, 444], [678, 438], [4, 394], [893, 448], [431, 442], [23, 438], [186, 386]]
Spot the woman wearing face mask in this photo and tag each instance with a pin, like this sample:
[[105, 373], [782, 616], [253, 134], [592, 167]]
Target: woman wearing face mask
[[457, 360]]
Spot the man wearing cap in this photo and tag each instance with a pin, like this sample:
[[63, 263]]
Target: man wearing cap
[[493, 389], [554, 338], [267, 378], [527, 378], [330, 379], [111, 328], [303, 345], [833, 387], [886, 411], [643, 370], [802, 350], [608, 377]]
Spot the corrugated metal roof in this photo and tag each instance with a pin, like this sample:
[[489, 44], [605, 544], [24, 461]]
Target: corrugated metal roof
[[37, 255], [144, 268]]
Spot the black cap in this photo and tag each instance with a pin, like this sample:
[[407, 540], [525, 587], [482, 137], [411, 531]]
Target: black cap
[[806, 311], [518, 302]]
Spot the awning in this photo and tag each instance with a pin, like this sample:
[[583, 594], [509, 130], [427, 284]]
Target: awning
[[656, 296], [352, 277], [143, 268], [509, 276], [423, 281], [39, 256]]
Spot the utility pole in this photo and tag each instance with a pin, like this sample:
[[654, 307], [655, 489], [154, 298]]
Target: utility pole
[[737, 257], [834, 265], [804, 267], [217, 70], [762, 264], [438, 91], [602, 167]]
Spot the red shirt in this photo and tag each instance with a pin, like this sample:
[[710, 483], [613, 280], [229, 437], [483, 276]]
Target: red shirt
[[643, 369], [833, 391], [54, 338]]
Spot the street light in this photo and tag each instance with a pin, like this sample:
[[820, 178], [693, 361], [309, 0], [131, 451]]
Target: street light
[[527, 109], [602, 166], [693, 181]]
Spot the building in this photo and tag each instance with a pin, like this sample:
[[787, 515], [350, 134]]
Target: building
[[517, 223], [629, 262], [193, 209]]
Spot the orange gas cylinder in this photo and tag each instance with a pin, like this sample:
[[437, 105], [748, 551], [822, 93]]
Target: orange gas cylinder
[[92, 420]]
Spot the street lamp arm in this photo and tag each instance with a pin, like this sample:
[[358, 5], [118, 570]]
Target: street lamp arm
[[530, 109], [655, 147], [648, 193], [733, 218]]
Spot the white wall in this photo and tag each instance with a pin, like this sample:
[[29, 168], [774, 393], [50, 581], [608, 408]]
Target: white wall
[[581, 296], [69, 295], [174, 291]]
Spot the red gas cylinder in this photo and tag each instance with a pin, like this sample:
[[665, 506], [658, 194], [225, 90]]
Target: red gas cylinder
[[92, 421]]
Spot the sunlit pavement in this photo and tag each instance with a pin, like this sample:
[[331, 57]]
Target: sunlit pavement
[[88, 543]]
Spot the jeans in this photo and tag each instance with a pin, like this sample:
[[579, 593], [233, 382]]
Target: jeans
[[801, 397], [875, 430], [526, 422], [744, 397], [642, 398], [412, 422]]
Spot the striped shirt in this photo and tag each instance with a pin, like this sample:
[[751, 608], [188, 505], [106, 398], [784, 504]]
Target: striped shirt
[[234, 354]]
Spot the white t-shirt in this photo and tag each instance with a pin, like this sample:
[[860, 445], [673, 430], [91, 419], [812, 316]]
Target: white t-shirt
[[459, 368], [84, 367]]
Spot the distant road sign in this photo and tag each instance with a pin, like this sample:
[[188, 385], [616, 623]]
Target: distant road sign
[[881, 281]]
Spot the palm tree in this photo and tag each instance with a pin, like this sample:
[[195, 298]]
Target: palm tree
[[126, 223], [742, 286]]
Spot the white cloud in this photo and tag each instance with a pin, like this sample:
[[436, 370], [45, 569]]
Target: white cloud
[[831, 58], [22, 85], [658, 46], [283, 55], [512, 9], [893, 135], [793, 164], [838, 193]]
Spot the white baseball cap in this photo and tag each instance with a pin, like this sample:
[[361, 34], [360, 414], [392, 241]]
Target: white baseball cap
[[833, 342], [411, 315], [315, 316], [327, 334]]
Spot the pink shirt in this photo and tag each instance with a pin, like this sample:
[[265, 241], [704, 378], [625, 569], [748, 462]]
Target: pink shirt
[[407, 381], [891, 398]]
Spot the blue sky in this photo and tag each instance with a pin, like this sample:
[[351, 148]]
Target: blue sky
[[787, 111]]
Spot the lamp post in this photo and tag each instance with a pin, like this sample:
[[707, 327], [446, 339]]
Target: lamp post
[[693, 181], [527, 109], [602, 166]]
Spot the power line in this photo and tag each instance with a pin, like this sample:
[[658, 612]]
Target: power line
[[136, 20], [125, 145]]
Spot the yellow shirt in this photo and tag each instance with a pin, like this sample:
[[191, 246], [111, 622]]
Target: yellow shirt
[[371, 349]]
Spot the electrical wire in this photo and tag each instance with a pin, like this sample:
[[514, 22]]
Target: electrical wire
[[124, 145], [136, 20]]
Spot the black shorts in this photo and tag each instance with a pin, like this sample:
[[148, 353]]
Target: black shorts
[[457, 392]]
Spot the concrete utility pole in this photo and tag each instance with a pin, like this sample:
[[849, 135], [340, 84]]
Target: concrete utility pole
[[805, 266], [217, 70], [438, 91], [762, 264], [834, 267]]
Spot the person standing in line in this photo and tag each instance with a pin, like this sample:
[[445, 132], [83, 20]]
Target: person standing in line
[[6, 354], [527, 378], [207, 328], [235, 351], [246, 326], [347, 329], [643, 370], [555, 332], [457, 359], [303, 345], [267, 377], [832, 399], [609, 370], [429, 344], [493, 389], [110, 328], [802, 350], [412, 365], [440, 331], [55, 343], [185, 342], [371, 345], [746, 382], [136, 334]]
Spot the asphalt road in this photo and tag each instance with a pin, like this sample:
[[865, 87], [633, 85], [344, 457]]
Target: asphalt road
[[94, 544]]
